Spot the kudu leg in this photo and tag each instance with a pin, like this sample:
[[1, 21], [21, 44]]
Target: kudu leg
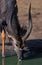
[[3, 41]]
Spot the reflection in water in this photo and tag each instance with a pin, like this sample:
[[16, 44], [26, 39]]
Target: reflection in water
[[20, 63], [3, 61]]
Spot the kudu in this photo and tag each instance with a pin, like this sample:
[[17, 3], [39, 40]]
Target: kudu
[[12, 27]]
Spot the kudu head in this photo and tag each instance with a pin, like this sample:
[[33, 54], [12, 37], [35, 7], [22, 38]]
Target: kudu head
[[27, 33]]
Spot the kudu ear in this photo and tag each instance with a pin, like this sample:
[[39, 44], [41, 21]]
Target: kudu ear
[[30, 25]]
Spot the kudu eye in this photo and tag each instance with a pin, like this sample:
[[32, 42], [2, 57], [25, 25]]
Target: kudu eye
[[4, 23]]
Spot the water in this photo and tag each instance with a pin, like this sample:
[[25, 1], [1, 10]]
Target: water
[[10, 61], [36, 60]]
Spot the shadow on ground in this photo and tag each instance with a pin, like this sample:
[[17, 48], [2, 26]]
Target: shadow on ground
[[35, 47]]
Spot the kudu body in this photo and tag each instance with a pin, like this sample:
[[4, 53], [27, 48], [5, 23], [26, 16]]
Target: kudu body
[[8, 13]]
